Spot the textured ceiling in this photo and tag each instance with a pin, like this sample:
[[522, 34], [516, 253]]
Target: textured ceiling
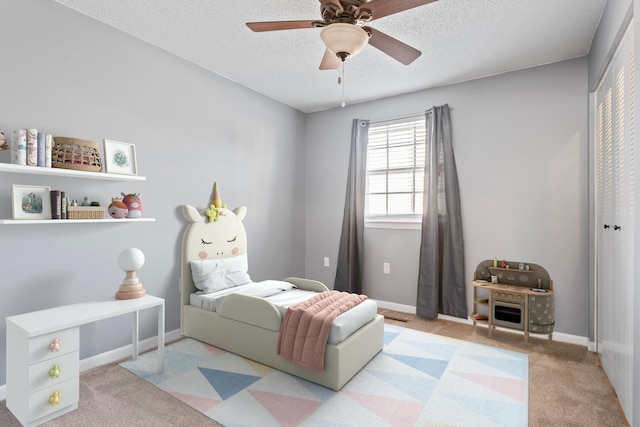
[[460, 40]]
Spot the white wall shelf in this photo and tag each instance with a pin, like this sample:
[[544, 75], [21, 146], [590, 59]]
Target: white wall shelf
[[69, 173], [70, 221], [34, 170]]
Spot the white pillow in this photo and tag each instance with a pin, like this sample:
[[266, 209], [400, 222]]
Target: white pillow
[[211, 275]]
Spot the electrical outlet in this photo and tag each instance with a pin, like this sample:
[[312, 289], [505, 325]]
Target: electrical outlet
[[326, 261], [386, 268]]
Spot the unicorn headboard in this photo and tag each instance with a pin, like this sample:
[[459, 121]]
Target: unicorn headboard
[[205, 239], [215, 234]]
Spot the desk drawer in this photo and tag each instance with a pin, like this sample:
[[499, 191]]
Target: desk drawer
[[39, 405], [39, 346], [39, 377]]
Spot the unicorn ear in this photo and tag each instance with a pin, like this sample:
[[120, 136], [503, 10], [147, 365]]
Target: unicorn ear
[[240, 212], [191, 214]]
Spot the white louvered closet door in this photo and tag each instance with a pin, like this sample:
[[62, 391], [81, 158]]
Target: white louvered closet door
[[615, 201]]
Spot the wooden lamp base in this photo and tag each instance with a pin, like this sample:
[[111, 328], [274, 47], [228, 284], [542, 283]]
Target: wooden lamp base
[[130, 294]]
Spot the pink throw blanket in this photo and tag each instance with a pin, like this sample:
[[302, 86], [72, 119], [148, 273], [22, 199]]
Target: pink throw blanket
[[305, 328]]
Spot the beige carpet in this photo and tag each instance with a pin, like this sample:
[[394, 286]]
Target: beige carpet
[[567, 386]]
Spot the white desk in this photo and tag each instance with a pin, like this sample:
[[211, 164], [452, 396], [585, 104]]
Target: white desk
[[33, 351]]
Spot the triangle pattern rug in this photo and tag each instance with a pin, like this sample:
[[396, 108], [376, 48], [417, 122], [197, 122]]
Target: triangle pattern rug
[[419, 379]]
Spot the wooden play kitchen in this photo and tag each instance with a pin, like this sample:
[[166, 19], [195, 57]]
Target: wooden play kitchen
[[513, 295]]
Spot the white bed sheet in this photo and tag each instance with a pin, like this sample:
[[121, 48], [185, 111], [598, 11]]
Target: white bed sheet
[[284, 294]]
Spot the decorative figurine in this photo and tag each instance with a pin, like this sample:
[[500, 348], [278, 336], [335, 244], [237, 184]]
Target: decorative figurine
[[134, 204], [117, 209]]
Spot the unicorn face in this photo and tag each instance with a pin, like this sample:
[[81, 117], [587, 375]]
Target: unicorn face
[[208, 239]]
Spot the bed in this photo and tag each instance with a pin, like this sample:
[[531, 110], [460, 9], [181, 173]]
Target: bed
[[224, 308]]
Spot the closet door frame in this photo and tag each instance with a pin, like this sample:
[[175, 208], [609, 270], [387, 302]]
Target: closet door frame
[[613, 172]]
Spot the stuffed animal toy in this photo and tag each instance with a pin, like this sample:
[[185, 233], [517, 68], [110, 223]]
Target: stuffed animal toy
[[134, 204], [117, 209]]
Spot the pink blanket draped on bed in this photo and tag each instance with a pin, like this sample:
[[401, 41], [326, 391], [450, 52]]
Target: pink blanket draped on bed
[[305, 328]]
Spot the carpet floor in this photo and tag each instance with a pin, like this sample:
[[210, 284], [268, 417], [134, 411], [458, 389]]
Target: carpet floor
[[417, 379], [567, 387]]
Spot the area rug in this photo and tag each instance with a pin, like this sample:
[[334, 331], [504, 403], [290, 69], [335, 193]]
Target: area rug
[[419, 379]]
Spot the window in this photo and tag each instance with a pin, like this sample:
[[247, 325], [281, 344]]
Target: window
[[395, 169]]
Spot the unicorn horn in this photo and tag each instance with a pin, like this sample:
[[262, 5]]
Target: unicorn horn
[[217, 201]]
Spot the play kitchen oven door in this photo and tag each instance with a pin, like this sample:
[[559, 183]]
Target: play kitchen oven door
[[508, 311]]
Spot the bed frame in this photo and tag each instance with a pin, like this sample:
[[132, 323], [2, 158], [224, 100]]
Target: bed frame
[[250, 327]]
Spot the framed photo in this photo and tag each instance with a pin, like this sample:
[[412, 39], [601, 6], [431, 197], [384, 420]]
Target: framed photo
[[120, 157], [31, 202]]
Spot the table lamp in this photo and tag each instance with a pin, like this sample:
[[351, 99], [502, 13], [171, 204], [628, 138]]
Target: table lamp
[[130, 260]]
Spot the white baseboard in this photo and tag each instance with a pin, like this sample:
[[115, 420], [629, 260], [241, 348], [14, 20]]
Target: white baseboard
[[125, 352], [114, 355], [557, 336], [397, 307]]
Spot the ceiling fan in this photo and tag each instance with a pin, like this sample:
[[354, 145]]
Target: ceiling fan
[[344, 32]]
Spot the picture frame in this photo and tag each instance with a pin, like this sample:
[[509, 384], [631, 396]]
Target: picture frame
[[120, 157], [31, 201]]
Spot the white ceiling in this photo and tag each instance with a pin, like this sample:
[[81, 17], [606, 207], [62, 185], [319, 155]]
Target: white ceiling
[[460, 40]]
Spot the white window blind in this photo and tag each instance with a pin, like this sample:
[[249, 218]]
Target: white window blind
[[395, 169]]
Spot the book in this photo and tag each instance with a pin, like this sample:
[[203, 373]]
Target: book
[[48, 146], [19, 147], [56, 204], [63, 205], [40, 159], [32, 147]]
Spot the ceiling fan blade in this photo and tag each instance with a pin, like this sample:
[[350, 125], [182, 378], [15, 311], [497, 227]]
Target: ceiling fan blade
[[382, 8], [393, 47], [280, 25], [329, 61]]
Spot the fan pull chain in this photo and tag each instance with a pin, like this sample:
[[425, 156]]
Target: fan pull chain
[[341, 81]]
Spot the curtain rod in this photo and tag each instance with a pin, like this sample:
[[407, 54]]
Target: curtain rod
[[402, 117]]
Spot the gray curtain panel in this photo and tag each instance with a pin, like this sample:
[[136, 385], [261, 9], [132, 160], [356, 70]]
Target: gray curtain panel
[[349, 270], [441, 287]]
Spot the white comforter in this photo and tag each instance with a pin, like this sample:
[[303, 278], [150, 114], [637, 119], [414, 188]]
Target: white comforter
[[284, 294]]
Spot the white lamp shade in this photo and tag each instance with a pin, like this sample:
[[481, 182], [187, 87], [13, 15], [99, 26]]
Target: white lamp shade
[[130, 259], [344, 38]]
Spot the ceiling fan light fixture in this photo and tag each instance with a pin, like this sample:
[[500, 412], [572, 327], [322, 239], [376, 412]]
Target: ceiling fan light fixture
[[343, 39]]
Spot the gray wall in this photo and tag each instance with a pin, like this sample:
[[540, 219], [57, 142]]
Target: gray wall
[[68, 75], [521, 147]]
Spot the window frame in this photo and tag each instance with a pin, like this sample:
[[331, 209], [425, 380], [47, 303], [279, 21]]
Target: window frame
[[402, 220]]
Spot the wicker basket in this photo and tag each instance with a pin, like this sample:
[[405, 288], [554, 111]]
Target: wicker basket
[[77, 154], [85, 212]]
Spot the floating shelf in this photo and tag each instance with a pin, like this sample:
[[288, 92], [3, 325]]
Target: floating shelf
[[35, 170], [70, 221], [69, 173]]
